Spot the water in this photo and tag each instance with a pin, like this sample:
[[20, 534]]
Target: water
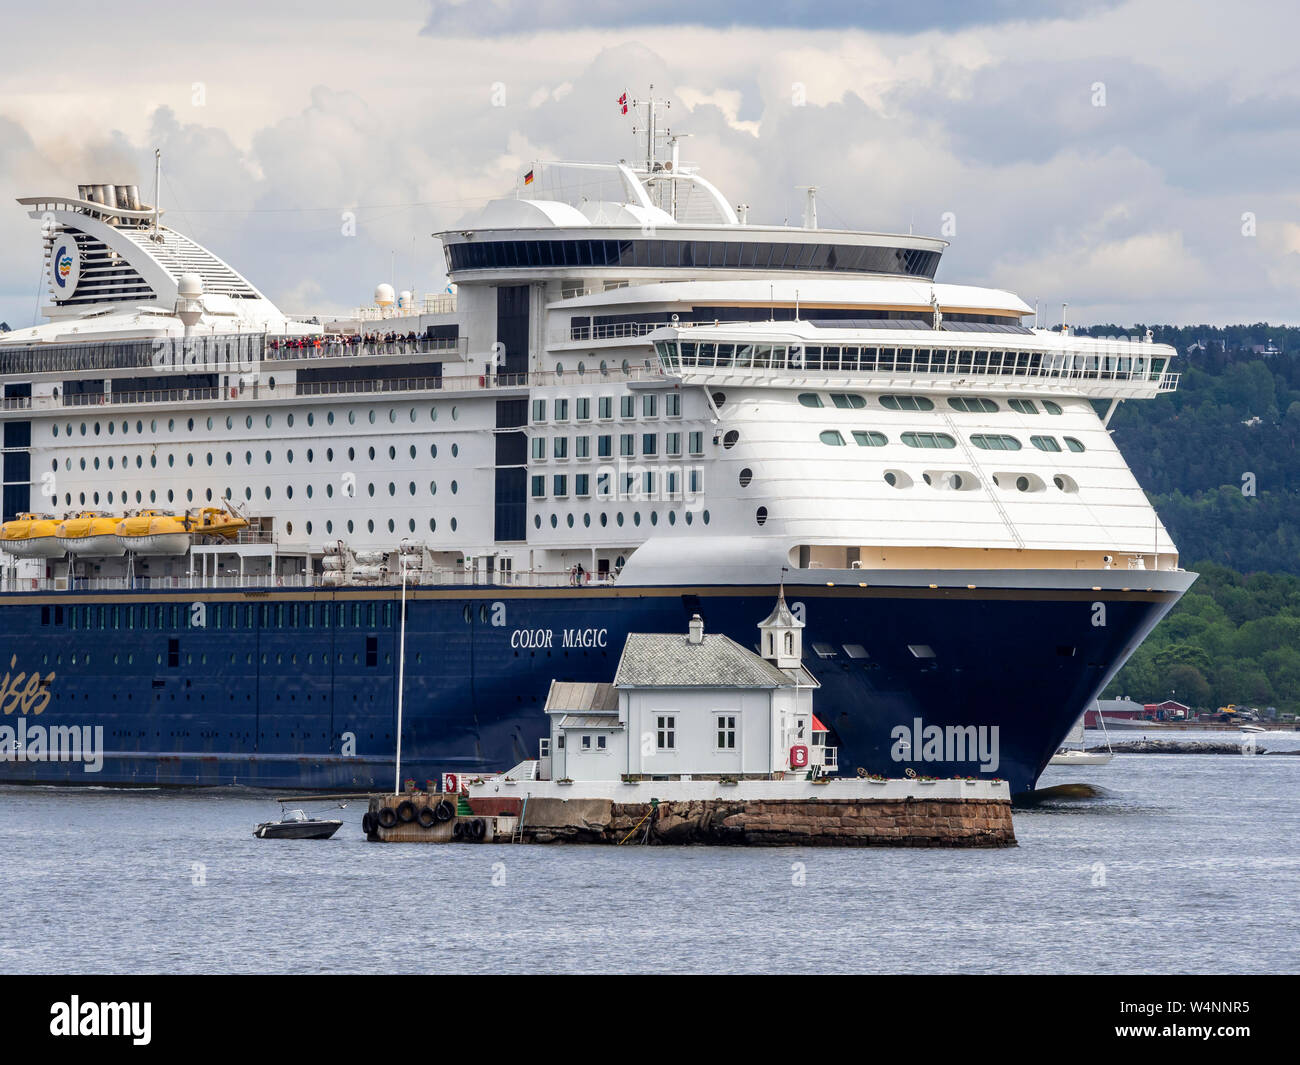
[[1186, 865]]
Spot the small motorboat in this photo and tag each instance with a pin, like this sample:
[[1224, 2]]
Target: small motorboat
[[298, 826], [1250, 728]]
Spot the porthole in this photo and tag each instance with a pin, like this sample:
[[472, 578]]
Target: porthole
[[268, 417], [746, 476], [537, 521], [311, 418], [455, 450], [453, 524], [760, 515], [705, 517], [555, 521], [569, 520], [453, 487], [732, 437], [1022, 484], [329, 417], [618, 519], [392, 415], [288, 420]]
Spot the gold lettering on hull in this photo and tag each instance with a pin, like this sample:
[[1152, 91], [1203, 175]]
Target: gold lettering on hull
[[26, 694]]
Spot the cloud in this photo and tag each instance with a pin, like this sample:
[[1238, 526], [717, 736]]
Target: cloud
[[484, 17], [1130, 211]]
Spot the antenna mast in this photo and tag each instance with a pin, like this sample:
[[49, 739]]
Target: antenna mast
[[652, 131], [157, 178]]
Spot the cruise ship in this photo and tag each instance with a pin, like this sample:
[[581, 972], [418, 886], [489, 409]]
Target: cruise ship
[[245, 544]]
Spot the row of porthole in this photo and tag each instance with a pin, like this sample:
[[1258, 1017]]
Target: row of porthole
[[944, 442], [603, 519], [97, 427], [248, 493], [248, 457], [967, 482]]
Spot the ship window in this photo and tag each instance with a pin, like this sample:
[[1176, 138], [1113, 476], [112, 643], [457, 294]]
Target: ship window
[[1073, 444], [760, 515], [847, 401], [539, 410], [673, 405], [810, 399], [824, 650], [906, 403], [650, 405], [696, 443], [1045, 443], [869, 439], [1052, 408], [832, 437], [921, 650], [854, 650], [929, 440], [972, 404], [746, 476], [731, 438], [995, 442], [627, 407], [1024, 406], [1065, 484]]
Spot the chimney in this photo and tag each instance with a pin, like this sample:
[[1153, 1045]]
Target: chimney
[[695, 630]]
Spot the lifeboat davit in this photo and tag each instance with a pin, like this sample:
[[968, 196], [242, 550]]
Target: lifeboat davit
[[89, 535], [31, 536]]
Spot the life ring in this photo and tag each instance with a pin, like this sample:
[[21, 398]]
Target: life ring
[[406, 811], [368, 823], [387, 817], [458, 830], [427, 817], [444, 811]]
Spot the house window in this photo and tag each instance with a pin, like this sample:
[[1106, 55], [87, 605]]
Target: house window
[[600, 742], [586, 743], [726, 732], [559, 742], [666, 733]]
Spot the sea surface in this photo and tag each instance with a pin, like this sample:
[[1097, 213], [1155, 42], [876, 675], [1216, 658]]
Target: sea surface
[[1187, 863]]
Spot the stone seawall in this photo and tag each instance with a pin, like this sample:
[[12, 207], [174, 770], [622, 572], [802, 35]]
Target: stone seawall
[[775, 822]]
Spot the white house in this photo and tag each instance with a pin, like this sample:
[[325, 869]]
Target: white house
[[693, 706]]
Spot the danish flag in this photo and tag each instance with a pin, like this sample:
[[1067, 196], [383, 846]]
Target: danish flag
[[622, 103]]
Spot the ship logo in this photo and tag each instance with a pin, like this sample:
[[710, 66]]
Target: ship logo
[[65, 268]]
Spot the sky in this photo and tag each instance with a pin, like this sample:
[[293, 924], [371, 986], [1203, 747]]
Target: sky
[[1134, 158]]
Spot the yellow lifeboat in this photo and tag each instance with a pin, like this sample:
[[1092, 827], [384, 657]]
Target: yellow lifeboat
[[31, 536], [89, 535], [154, 532], [213, 521]]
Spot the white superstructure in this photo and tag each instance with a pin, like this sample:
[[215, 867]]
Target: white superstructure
[[628, 378]]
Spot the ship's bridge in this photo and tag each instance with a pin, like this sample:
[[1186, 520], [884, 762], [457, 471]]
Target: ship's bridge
[[973, 357], [609, 217]]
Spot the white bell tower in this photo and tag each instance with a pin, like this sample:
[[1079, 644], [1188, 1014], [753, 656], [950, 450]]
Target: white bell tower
[[780, 636]]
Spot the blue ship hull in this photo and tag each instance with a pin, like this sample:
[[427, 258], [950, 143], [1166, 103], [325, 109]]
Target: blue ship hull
[[297, 690]]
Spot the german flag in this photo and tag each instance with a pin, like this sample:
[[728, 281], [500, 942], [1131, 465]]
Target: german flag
[[528, 178]]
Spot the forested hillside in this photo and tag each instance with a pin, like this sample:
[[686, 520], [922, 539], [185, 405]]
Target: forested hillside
[[1220, 459]]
